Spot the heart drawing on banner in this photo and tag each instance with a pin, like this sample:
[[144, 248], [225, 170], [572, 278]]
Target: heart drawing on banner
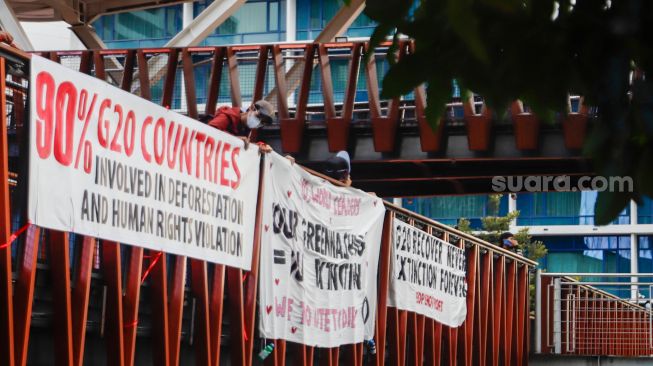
[[289, 194], [266, 227], [276, 281], [293, 330], [268, 309]]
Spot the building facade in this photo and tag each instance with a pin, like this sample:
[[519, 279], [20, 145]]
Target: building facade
[[564, 222]]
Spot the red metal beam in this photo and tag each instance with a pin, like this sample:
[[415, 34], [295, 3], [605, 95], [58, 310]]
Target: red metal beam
[[80, 298], [467, 329], [6, 305], [384, 278], [234, 79], [509, 341], [131, 301], [176, 307], [216, 308], [143, 75], [128, 71], [112, 270], [498, 313], [189, 83], [159, 299], [214, 80], [170, 76], [62, 318], [24, 294], [200, 289]]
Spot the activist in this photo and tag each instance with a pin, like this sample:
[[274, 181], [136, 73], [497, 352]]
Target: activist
[[241, 123], [509, 242], [338, 167]]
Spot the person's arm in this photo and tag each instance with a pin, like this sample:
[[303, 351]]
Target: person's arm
[[220, 121]]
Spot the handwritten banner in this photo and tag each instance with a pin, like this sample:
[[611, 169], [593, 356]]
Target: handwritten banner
[[319, 258], [428, 276], [108, 164]]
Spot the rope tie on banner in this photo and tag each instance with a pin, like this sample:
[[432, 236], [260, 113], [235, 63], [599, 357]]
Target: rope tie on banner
[[245, 334], [15, 235], [154, 261]]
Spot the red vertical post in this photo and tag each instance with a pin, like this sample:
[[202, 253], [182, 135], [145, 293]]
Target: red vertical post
[[128, 71], [24, 294], [62, 319], [215, 313], [484, 306], [523, 334], [234, 78], [200, 289], [214, 80], [189, 83], [467, 329], [130, 302], [508, 339], [176, 307], [169, 80], [143, 75], [6, 306], [159, 299], [382, 294], [498, 316], [80, 298], [114, 318]]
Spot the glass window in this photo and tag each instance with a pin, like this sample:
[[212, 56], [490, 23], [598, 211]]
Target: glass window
[[250, 18], [141, 25], [589, 254], [449, 209], [313, 16], [561, 208], [645, 211], [273, 19]]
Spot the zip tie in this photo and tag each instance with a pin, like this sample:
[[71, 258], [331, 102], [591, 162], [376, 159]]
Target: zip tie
[[15, 235], [152, 264]]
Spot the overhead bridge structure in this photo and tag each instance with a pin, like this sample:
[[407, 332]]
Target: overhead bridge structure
[[328, 99]]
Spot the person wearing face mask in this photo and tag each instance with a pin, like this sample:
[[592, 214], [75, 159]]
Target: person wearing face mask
[[509, 242], [241, 123]]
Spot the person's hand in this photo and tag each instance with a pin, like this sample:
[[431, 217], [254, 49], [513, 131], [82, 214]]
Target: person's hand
[[6, 37], [347, 181], [245, 141], [292, 160], [264, 148]]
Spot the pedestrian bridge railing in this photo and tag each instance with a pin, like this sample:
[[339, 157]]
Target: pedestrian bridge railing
[[581, 314], [71, 299]]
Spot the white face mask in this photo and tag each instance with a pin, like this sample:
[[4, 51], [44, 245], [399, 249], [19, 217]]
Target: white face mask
[[252, 120]]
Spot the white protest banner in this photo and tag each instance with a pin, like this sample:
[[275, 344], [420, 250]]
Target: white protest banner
[[428, 275], [108, 164], [319, 258]]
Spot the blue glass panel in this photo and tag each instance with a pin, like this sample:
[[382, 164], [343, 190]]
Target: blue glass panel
[[645, 211], [561, 208]]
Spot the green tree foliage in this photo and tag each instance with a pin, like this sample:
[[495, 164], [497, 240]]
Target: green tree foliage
[[495, 225], [538, 51]]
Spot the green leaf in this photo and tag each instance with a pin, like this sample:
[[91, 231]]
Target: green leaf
[[609, 205], [379, 35], [464, 22], [401, 79], [438, 94]]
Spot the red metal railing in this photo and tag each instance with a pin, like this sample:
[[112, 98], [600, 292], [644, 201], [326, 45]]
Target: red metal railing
[[318, 84], [171, 310], [577, 318]]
